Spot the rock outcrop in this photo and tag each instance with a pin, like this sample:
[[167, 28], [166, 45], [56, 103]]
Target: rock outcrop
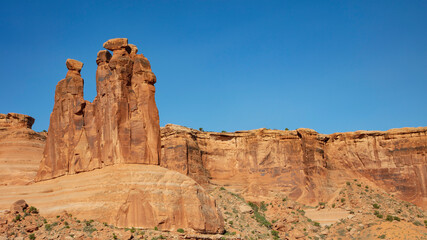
[[307, 166], [21, 149], [125, 195], [120, 126]]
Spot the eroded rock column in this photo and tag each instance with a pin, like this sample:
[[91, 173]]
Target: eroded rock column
[[120, 126]]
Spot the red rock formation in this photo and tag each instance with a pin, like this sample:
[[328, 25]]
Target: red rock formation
[[307, 166], [125, 195], [21, 149], [120, 126]]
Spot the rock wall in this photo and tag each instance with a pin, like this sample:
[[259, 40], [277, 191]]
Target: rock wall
[[307, 166], [125, 195], [21, 149], [120, 126]]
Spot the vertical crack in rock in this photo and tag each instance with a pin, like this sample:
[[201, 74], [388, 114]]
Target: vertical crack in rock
[[120, 126]]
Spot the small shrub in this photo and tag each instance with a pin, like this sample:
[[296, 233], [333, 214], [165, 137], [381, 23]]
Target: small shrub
[[333, 205], [17, 218], [261, 219], [114, 236], [253, 206], [417, 223], [48, 227], [32, 236], [379, 216], [316, 224], [201, 130], [348, 183], [132, 230], [389, 218], [180, 230], [33, 210], [275, 234], [263, 206], [222, 189], [155, 228], [342, 200], [382, 236], [396, 218], [89, 229], [376, 206]]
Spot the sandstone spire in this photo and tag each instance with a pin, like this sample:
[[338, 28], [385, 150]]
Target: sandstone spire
[[120, 126]]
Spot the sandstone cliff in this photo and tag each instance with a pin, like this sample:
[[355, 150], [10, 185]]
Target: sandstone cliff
[[125, 195], [120, 126], [21, 149], [307, 166]]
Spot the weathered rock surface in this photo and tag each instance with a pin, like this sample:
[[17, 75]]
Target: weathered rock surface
[[21, 149], [307, 166], [133, 195], [120, 126]]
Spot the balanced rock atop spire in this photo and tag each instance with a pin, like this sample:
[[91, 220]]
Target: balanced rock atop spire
[[74, 65], [116, 44], [120, 126]]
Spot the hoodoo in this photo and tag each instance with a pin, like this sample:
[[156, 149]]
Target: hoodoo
[[120, 126]]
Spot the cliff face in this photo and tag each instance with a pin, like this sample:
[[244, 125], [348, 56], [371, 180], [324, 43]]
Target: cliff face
[[307, 166], [126, 195], [120, 126], [21, 149]]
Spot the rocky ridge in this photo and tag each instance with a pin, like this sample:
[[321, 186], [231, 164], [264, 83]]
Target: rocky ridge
[[307, 166]]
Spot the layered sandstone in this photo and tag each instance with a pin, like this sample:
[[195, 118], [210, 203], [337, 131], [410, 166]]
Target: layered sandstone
[[21, 149], [307, 166], [120, 126], [125, 195]]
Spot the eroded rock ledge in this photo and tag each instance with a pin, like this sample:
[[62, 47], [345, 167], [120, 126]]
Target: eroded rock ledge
[[306, 165], [21, 149]]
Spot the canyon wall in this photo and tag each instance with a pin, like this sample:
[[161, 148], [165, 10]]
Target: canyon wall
[[120, 126], [21, 149], [307, 166]]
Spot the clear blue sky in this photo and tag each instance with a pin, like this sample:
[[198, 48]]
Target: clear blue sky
[[331, 66]]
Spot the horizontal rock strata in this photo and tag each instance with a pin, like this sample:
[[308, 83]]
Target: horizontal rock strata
[[126, 195], [307, 166], [21, 149]]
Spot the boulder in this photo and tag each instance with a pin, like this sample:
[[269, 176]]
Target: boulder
[[18, 206], [116, 44]]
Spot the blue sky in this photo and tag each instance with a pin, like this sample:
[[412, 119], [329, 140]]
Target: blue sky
[[332, 66]]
